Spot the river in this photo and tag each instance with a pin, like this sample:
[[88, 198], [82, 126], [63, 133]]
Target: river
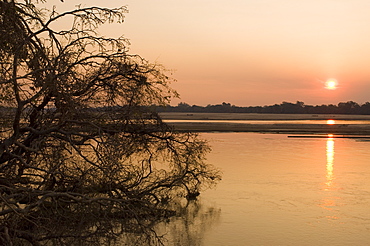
[[280, 191]]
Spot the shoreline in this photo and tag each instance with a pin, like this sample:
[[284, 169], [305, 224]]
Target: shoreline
[[256, 116], [304, 129]]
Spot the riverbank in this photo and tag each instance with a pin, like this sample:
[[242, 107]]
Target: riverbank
[[209, 126]]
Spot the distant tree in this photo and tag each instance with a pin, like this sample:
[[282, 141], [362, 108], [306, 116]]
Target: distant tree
[[365, 108], [349, 107], [300, 104], [69, 171], [275, 109], [183, 106], [291, 108]]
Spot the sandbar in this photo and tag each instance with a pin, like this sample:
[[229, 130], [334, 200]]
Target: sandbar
[[209, 126]]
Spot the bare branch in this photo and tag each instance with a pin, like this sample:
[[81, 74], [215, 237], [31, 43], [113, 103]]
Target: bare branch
[[82, 153]]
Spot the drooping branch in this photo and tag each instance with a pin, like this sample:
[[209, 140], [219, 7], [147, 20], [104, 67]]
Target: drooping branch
[[80, 146]]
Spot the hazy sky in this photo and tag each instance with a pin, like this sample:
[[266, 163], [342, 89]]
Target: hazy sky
[[252, 52]]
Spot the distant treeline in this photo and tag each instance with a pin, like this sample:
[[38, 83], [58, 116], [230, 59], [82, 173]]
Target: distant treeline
[[283, 108], [349, 107]]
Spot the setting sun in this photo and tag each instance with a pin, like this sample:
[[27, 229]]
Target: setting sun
[[331, 84]]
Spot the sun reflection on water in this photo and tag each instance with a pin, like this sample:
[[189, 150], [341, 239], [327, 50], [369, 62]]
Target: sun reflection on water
[[330, 201], [329, 161], [330, 122]]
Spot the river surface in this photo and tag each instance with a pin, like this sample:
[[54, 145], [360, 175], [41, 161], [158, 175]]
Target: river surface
[[271, 122], [280, 191]]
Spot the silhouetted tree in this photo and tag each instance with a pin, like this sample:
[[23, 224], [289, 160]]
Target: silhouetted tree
[[365, 108], [283, 108], [348, 107], [69, 172], [183, 106]]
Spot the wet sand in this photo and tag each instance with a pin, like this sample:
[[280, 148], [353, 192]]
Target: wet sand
[[209, 126]]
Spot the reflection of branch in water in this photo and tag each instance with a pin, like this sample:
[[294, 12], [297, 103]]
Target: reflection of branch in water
[[191, 224]]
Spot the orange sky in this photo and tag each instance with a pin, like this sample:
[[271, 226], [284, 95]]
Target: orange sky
[[252, 52]]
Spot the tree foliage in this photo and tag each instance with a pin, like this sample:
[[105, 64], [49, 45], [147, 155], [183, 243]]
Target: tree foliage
[[80, 154], [299, 107]]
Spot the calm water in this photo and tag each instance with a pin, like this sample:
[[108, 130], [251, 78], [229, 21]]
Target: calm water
[[269, 122], [280, 191]]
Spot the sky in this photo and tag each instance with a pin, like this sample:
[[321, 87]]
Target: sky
[[251, 52]]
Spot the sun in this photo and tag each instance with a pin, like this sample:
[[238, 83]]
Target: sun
[[331, 84]]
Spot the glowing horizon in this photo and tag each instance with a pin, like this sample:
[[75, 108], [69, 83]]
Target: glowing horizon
[[252, 52]]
